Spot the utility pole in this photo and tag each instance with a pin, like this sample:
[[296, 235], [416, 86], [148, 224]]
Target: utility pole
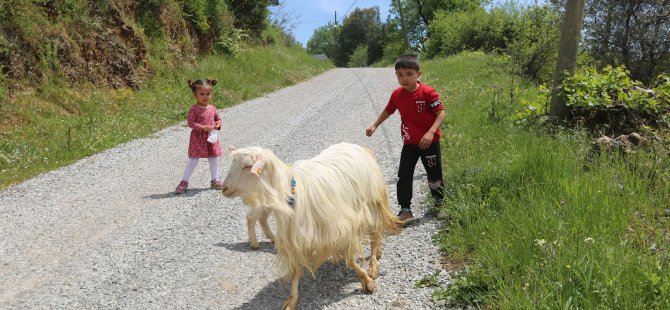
[[335, 40], [567, 56], [402, 26]]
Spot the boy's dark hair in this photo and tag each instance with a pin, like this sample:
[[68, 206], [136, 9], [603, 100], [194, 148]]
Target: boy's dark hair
[[407, 62], [197, 83]]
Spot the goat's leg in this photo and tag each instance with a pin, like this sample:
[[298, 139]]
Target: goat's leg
[[292, 300], [366, 281], [377, 244], [251, 231], [266, 228], [375, 253]]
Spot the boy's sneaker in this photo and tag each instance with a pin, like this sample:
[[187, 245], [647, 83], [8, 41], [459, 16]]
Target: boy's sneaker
[[181, 188], [216, 184], [436, 209], [406, 215]]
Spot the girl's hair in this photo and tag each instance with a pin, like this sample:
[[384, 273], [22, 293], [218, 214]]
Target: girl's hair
[[197, 83], [407, 62]]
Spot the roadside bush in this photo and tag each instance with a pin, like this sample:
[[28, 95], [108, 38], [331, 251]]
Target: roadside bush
[[529, 35], [534, 48], [609, 102], [359, 58], [454, 32]]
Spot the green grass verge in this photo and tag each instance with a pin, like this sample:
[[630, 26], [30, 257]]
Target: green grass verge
[[58, 124], [530, 225]]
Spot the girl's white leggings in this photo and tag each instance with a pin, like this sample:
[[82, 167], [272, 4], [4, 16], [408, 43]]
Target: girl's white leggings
[[193, 162]]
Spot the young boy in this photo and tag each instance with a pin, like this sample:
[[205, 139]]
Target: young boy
[[421, 113]]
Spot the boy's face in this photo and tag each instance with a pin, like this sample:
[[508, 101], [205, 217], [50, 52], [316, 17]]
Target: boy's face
[[408, 78]]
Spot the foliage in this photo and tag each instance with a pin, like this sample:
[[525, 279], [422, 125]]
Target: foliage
[[452, 33], [360, 27], [148, 13], [606, 102], [632, 33], [322, 40], [251, 15], [612, 97], [359, 58], [419, 15], [275, 35], [429, 281], [231, 42], [536, 230], [61, 124], [533, 109], [534, 48], [393, 42], [285, 21], [469, 288]]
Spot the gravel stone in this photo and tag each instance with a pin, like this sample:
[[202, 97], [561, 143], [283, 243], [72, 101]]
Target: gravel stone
[[107, 232]]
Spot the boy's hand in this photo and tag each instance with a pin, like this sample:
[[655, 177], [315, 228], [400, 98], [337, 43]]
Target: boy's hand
[[370, 130], [426, 140]]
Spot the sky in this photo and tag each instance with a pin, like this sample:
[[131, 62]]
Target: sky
[[308, 15], [312, 14]]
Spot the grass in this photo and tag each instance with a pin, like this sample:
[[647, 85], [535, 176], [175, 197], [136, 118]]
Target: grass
[[530, 226], [56, 124]]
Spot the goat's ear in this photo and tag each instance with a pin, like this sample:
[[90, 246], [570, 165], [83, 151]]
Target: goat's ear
[[258, 166], [231, 148]]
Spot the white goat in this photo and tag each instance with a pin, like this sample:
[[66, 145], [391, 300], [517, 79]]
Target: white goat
[[325, 207]]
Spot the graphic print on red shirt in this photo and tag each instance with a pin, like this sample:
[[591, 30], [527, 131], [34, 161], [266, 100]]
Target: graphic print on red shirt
[[417, 111]]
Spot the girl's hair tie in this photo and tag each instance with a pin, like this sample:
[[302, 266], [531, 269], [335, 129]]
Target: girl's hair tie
[[197, 83]]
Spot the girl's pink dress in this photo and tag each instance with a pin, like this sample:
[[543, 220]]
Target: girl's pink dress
[[198, 146]]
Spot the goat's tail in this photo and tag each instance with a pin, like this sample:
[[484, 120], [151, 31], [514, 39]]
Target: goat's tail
[[391, 223]]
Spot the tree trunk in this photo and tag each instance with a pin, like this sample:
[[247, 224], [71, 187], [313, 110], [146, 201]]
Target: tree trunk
[[567, 55]]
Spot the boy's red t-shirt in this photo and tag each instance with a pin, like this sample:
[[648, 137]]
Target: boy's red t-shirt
[[417, 111]]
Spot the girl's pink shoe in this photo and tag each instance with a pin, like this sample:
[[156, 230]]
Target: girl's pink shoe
[[216, 184], [181, 188]]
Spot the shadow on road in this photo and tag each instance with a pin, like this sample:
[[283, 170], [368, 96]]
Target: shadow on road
[[244, 247], [191, 192], [329, 285]]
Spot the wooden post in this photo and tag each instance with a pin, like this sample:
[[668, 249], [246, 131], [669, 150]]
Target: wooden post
[[567, 55]]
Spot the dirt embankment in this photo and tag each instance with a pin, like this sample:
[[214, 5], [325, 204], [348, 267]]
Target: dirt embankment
[[107, 45]]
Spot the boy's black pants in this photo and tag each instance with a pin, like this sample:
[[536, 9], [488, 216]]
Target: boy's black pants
[[432, 162]]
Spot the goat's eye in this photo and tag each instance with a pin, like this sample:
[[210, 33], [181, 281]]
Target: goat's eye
[[247, 167]]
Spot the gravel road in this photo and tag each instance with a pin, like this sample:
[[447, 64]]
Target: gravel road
[[107, 232]]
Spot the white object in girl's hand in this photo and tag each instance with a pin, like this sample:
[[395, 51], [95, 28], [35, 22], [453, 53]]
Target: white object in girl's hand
[[213, 136]]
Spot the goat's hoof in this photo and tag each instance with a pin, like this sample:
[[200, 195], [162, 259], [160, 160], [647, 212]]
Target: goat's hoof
[[288, 305], [374, 273], [379, 254], [369, 287], [255, 247]]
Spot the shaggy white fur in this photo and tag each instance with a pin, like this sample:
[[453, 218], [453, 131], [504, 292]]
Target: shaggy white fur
[[340, 201]]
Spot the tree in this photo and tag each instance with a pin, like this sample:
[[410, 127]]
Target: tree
[[322, 41], [359, 28], [419, 14], [634, 33], [251, 15], [567, 55], [284, 20]]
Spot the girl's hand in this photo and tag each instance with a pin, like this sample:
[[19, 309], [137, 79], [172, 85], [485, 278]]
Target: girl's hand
[[426, 140], [207, 128]]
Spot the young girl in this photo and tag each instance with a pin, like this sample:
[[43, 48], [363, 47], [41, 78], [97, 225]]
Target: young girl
[[202, 118]]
